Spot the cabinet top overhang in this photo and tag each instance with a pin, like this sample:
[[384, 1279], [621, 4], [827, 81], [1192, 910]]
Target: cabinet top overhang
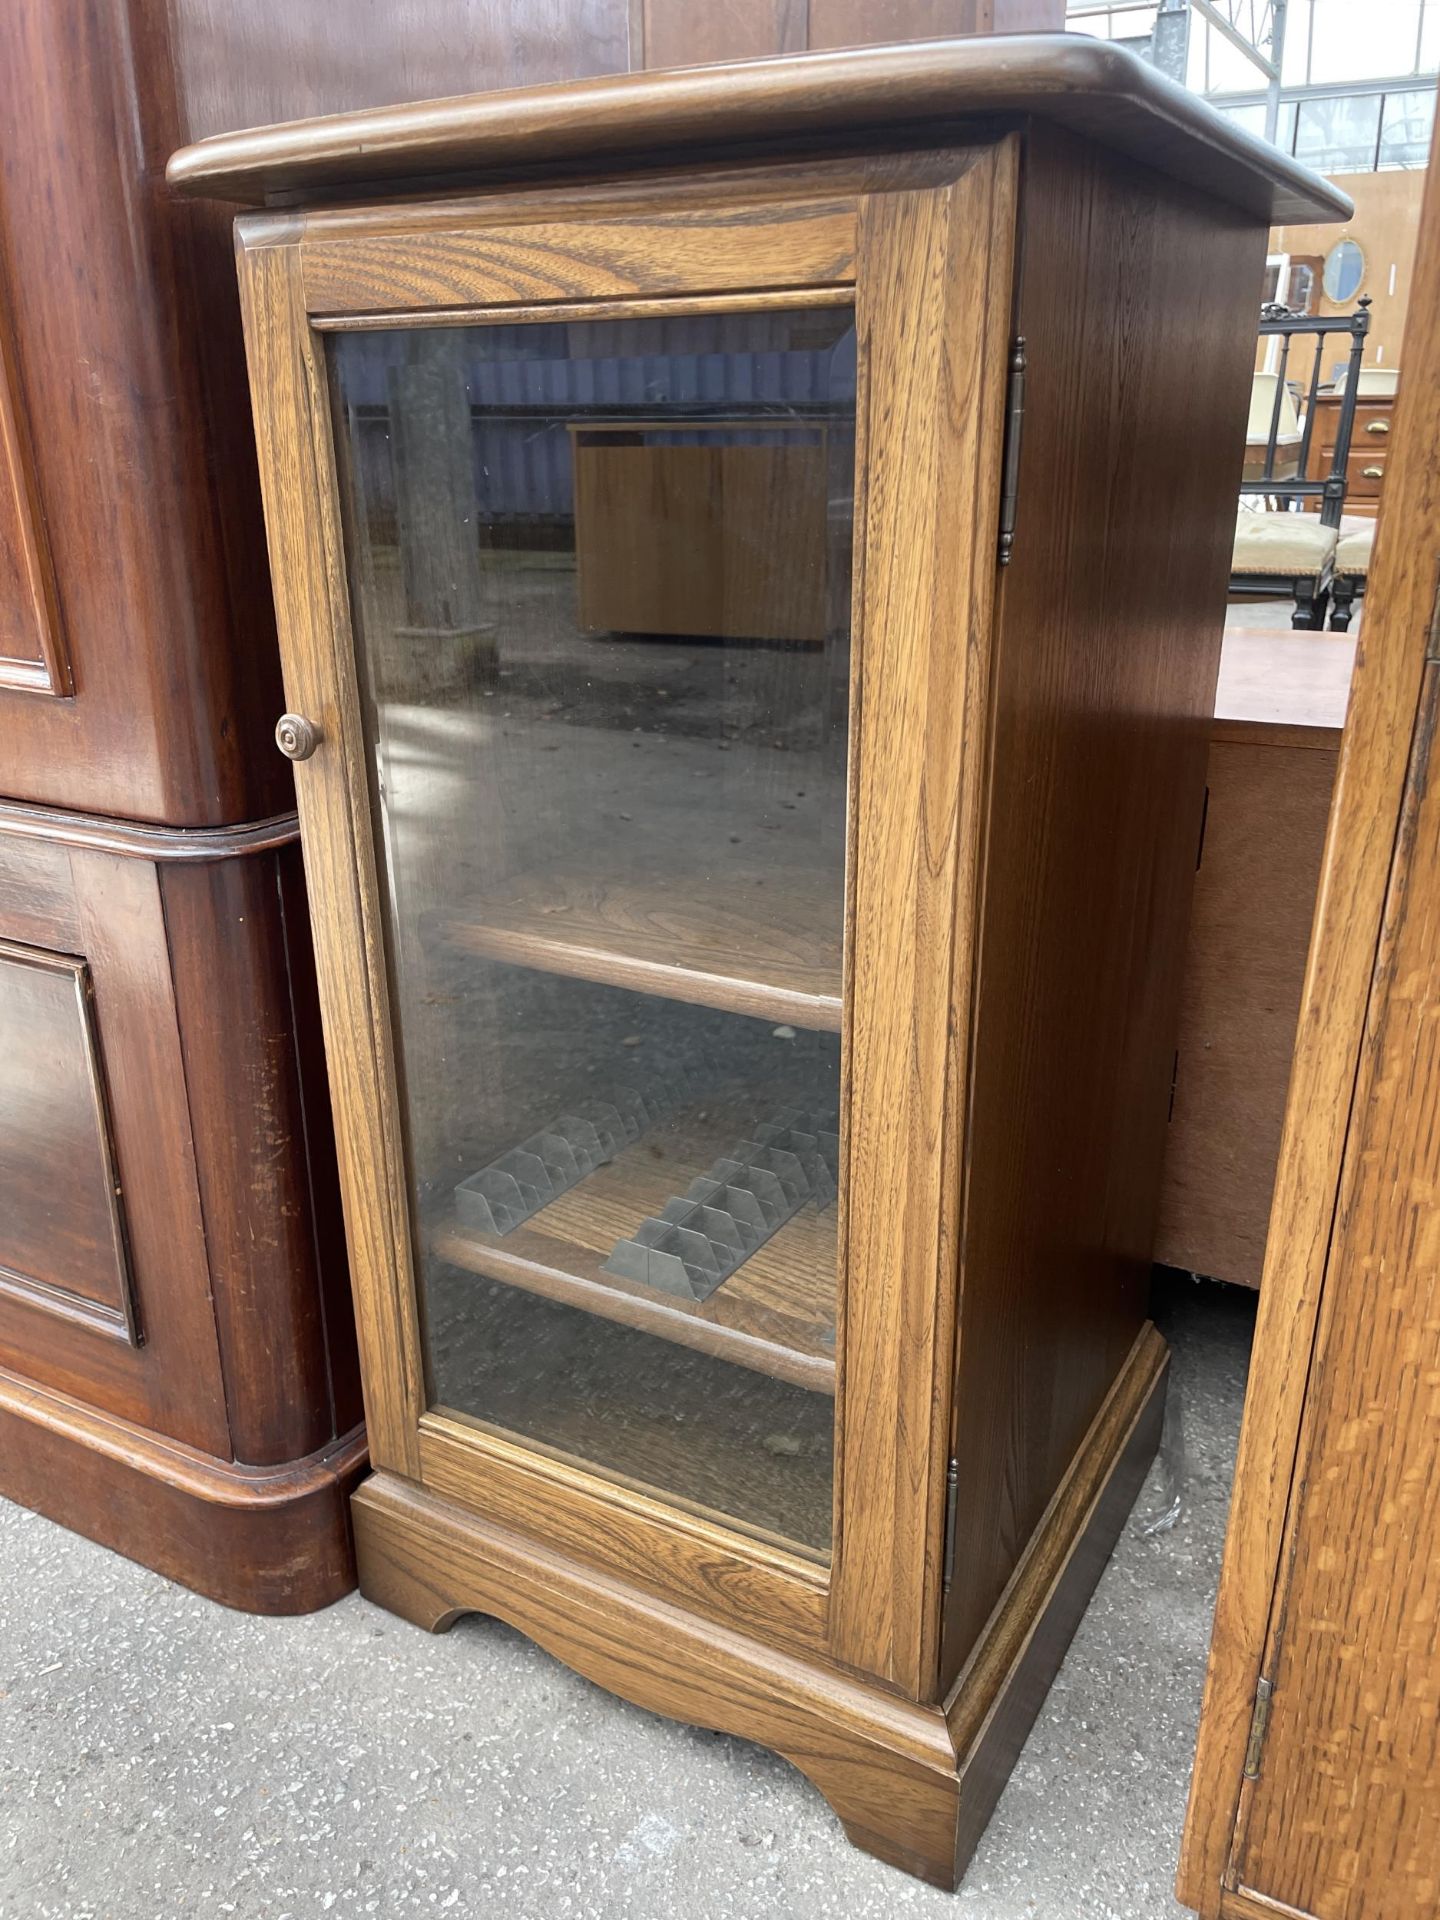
[[798, 102]]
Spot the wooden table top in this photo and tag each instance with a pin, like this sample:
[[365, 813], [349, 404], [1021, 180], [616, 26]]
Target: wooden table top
[[1285, 679]]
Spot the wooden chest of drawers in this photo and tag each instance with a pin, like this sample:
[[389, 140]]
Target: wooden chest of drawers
[[1365, 467]]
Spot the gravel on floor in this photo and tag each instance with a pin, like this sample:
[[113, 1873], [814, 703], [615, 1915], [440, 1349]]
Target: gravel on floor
[[161, 1756]]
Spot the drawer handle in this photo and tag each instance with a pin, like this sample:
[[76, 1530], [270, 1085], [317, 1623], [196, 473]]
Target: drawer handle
[[296, 737], [1377, 426], [1372, 473]]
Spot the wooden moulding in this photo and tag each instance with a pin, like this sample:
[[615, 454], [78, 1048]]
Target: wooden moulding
[[1099, 91], [1243, 1903], [912, 1783], [268, 1540], [138, 841]]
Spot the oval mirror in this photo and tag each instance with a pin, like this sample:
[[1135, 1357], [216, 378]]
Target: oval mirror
[[1344, 270]]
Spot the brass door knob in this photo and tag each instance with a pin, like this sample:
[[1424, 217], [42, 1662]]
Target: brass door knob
[[296, 737]]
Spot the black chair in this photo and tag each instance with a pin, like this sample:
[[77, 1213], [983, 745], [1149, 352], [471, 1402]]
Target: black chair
[[1283, 547]]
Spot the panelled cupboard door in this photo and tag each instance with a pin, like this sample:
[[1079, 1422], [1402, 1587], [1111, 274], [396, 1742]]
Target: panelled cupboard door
[[638, 859]]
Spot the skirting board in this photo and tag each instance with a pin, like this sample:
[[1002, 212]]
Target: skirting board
[[272, 1539], [914, 1784]]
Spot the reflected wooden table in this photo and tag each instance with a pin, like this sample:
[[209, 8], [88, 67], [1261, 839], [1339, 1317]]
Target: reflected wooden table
[[1279, 709]]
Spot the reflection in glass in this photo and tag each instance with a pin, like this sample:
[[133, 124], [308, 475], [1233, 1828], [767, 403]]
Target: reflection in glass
[[600, 574], [1339, 133], [1408, 125], [1343, 272]]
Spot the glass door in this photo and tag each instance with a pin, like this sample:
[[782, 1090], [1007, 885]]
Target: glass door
[[600, 579]]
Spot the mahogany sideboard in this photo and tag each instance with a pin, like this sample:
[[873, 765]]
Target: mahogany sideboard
[[178, 1375], [750, 1057]]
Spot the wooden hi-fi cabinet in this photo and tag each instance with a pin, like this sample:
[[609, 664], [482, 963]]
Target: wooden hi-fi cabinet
[[751, 1056]]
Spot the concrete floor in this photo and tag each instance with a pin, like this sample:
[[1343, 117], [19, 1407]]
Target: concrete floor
[[161, 1756]]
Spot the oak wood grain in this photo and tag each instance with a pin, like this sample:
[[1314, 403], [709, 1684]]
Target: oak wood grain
[[676, 1550], [1243, 1903], [948, 802], [750, 247], [912, 1783], [1343, 1215], [297, 473], [886, 1766], [1343, 1822], [932, 313], [994, 1703]]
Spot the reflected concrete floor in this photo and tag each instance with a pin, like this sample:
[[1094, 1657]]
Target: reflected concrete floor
[[162, 1756]]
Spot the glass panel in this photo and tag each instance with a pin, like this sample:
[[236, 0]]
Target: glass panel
[[1250, 117], [1363, 42], [1430, 38], [1295, 56], [1338, 134], [1405, 132], [1228, 68], [601, 578]]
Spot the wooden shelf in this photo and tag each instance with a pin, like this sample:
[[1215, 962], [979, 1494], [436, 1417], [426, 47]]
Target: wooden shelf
[[775, 1314], [768, 947]]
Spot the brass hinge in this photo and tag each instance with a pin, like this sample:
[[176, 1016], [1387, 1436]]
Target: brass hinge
[[952, 1500], [1259, 1721], [1010, 471], [1204, 822]]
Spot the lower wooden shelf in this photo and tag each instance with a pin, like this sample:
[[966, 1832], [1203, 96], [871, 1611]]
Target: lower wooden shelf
[[776, 1312]]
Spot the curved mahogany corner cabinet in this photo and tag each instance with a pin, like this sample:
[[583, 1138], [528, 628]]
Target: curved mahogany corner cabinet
[[749, 547], [178, 1376]]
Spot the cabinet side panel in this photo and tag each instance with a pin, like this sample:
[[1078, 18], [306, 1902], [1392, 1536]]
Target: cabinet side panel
[[264, 1155], [1137, 302]]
